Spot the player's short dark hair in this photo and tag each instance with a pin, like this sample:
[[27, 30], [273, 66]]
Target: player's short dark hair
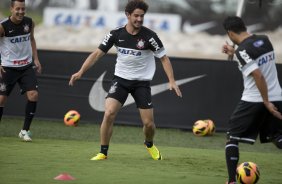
[[235, 24], [13, 1], [134, 4]]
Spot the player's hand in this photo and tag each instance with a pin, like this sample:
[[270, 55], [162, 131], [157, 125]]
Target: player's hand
[[74, 77], [273, 110], [175, 87], [228, 49], [37, 67], [1, 71]]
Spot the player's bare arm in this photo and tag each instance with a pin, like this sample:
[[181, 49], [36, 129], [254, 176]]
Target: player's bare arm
[[169, 72], [34, 50], [88, 63], [1, 35], [262, 86]]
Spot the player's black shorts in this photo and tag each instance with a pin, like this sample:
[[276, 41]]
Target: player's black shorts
[[251, 119], [26, 78], [140, 91]]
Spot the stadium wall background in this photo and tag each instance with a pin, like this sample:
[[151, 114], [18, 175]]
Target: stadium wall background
[[212, 96]]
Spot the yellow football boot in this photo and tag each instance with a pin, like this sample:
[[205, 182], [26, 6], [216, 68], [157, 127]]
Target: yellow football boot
[[99, 156], [154, 152]]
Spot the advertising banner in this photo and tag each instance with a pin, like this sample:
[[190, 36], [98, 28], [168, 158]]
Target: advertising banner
[[109, 20]]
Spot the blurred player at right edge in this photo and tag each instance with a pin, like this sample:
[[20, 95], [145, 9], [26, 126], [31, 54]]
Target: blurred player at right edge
[[259, 110]]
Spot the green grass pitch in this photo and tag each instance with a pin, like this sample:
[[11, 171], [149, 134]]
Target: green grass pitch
[[59, 149]]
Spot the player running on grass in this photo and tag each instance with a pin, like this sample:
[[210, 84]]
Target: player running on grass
[[18, 56], [259, 110], [136, 47]]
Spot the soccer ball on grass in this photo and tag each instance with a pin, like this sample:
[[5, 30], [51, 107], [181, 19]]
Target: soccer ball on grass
[[247, 173], [200, 128], [71, 118]]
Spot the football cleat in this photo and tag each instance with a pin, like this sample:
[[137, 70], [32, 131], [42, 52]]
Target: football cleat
[[99, 156], [24, 135], [154, 152]]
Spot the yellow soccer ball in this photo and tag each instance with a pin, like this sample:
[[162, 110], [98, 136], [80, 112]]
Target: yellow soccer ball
[[247, 173], [71, 118]]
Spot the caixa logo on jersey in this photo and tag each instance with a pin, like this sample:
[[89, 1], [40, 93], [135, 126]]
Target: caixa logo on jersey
[[266, 58], [20, 39], [129, 52], [106, 39]]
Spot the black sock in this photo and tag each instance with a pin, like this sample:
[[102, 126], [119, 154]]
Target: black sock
[[232, 158], [30, 109], [104, 149], [1, 112], [149, 144]]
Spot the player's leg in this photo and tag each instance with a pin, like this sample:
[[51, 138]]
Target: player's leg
[[148, 125], [278, 138], [112, 106], [143, 99], [30, 108], [29, 85], [278, 142], [232, 159], [243, 127], [114, 101], [142, 95], [271, 133], [271, 130], [3, 99]]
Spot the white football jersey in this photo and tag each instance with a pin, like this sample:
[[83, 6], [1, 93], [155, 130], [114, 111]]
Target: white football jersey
[[15, 46], [135, 53], [256, 52]]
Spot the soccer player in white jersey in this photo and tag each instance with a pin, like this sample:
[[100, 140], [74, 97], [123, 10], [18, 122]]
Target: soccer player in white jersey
[[135, 67], [259, 110], [19, 61]]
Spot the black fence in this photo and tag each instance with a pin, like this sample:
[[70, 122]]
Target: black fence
[[211, 89]]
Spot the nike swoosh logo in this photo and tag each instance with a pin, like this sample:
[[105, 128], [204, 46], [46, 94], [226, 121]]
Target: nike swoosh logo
[[97, 93]]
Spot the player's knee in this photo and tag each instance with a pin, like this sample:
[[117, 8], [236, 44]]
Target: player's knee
[[149, 125], [3, 100], [32, 96], [109, 114], [278, 142]]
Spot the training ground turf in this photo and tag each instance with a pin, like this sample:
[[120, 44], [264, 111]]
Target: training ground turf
[[58, 149]]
